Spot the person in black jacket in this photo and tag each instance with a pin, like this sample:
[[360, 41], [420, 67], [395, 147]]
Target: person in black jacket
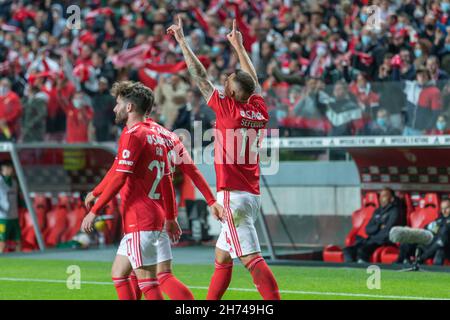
[[439, 248], [383, 219]]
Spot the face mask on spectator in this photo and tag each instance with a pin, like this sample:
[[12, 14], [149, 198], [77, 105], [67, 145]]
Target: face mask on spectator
[[77, 103], [8, 43], [43, 39], [365, 39], [3, 91], [418, 14], [445, 6], [215, 50], [321, 51], [31, 37], [441, 125], [363, 17], [342, 46], [355, 32], [382, 122], [447, 46], [400, 25], [418, 53]]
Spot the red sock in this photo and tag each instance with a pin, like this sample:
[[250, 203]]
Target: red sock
[[173, 287], [150, 289], [123, 289], [263, 279], [134, 285], [220, 281]]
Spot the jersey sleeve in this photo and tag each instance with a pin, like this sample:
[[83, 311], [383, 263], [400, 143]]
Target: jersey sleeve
[[219, 102], [187, 166], [130, 149]]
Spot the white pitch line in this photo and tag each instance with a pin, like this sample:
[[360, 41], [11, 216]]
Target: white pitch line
[[341, 294]]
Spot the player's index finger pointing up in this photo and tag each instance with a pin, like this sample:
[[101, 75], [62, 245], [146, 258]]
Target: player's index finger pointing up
[[180, 23], [234, 25]]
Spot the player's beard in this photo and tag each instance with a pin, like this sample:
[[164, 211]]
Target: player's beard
[[121, 118]]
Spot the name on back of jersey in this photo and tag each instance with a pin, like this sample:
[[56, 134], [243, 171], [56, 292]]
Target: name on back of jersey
[[252, 119], [155, 139]]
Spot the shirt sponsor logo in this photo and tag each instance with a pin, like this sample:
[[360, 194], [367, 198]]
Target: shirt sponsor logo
[[126, 154], [126, 162]]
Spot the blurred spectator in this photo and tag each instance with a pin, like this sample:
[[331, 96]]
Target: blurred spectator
[[10, 111], [103, 104], [79, 116], [195, 115], [124, 40], [439, 248], [383, 219], [342, 109], [367, 99], [381, 126], [170, 96], [437, 74], [424, 103], [34, 120], [9, 214], [441, 126]]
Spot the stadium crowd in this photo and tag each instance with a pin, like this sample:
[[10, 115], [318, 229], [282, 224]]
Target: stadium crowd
[[326, 67]]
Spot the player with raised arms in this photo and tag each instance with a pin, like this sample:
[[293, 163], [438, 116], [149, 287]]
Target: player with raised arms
[[241, 115]]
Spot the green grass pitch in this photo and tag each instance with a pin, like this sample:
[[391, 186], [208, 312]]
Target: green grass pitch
[[46, 279]]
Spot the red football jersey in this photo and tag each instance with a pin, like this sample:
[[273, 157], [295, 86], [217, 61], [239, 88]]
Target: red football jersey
[[143, 155], [236, 141], [178, 156]]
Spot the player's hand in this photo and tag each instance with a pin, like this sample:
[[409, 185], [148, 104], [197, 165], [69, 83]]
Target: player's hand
[[173, 230], [217, 211], [235, 37], [88, 223], [89, 200], [177, 30]]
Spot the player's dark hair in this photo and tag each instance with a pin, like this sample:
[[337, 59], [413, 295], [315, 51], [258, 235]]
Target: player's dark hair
[[392, 192], [136, 93], [245, 82]]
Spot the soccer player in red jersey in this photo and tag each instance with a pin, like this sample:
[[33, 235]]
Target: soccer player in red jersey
[[178, 156], [241, 115], [141, 165]]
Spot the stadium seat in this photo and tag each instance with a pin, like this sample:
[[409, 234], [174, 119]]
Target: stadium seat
[[360, 219], [423, 216], [417, 219], [74, 219], [56, 222], [333, 253], [28, 236]]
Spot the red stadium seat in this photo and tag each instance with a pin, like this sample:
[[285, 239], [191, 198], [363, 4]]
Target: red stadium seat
[[74, 219], [417, 219], [333, 253], [56, 222], [360, 219], [40, 205], [423, 216]]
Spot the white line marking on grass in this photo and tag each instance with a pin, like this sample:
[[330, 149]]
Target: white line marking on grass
[[340, 294]]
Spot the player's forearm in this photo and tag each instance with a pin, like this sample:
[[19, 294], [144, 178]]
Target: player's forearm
[[199, 181], [196, 70], [98, 190], [116, 183], [246, 63], [170, 204]]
